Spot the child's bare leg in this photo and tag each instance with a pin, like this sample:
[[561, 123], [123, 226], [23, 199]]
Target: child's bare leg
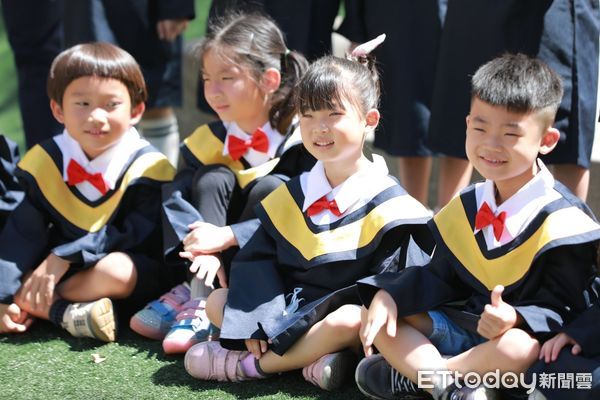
[[410, 350], [113, 276], [215, 305], [513, 351], [338, 331]]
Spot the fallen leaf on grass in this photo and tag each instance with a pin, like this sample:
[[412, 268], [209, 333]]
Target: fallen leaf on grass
[[97, 358]]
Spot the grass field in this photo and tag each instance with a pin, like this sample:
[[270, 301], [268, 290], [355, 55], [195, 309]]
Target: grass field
[[47, 363]]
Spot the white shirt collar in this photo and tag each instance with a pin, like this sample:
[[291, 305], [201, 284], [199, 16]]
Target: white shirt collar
[[359, 188], [520, 208], [254, 157], [110, 163]]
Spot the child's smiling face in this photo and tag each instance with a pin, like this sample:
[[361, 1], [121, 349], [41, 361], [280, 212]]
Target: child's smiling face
[[337, 134], [503, 145], [96, 112]]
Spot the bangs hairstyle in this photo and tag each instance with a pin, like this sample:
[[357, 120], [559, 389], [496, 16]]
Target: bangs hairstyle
[[255, 43], [103, 60], [331, 80], [520, 83]]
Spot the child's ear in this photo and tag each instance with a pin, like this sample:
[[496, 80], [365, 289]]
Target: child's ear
[[270, 80], [136, 113], [549, 140], [372, 118], [57, 111]]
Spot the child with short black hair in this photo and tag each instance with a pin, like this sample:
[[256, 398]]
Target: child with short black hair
[[514, 259], [87, 230], [291, 301]]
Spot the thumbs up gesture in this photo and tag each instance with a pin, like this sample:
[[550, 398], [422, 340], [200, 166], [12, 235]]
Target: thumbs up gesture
[[497, 317]]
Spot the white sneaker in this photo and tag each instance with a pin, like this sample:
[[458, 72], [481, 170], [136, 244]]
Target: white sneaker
[[94, 320]]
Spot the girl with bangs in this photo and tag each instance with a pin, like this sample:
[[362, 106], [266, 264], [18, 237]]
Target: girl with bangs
[[291, 302]]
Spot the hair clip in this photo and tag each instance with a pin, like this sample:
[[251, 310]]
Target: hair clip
[[366, 48]]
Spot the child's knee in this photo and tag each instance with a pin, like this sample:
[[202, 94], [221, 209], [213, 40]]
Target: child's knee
[[519, 346], [213, 179], [118, 269], [215, 303], [347, 317]]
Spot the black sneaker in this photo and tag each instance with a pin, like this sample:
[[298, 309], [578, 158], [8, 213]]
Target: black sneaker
[[376, 379], [480, 392]]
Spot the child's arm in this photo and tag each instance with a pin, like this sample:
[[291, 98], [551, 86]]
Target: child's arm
[[497, 317], [382, 311], [13, 319]]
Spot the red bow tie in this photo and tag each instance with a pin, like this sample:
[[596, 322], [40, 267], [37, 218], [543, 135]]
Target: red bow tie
[[321, 205], [238, 147], [77, 174], [485, 216]]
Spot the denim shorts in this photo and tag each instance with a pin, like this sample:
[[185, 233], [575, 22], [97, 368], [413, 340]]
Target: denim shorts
[[449, 338]]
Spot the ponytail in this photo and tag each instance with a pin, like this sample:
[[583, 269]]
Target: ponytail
[[283, 108]]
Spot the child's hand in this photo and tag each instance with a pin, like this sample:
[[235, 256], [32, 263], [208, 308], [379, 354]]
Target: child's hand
[[37, 292], [382, 312], [206, 238], [206, 267], [13, 319], [256, 347], [497, 317], [550, 349]]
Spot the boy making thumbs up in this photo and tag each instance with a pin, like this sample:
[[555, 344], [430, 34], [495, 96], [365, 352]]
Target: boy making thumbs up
[[514, 260]]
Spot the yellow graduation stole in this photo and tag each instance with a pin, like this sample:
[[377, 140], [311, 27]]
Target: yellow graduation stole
[[49, 178], [208, 149], [286, 217], [568, 225]]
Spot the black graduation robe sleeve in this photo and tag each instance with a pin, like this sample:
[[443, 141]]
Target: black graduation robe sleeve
[[23, 246], [560, 288], [416, 289], [585, 330], [177, 213], [11, 193]]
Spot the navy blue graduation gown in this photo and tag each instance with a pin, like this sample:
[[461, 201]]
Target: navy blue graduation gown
[[547, 270], [319, 263], [55, 217]]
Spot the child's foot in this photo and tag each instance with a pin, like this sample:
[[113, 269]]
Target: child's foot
[[330, 371], [94, 320], [376, 379], [191, 326], [155, 320], [211, 362]]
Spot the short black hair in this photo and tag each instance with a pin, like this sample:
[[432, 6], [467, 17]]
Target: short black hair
[[520, 83], [103, 60]]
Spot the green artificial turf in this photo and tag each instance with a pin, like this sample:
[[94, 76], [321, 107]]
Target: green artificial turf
[[47, 363]]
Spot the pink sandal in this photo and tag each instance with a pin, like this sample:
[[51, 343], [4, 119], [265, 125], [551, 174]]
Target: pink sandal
[[211, 362]]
